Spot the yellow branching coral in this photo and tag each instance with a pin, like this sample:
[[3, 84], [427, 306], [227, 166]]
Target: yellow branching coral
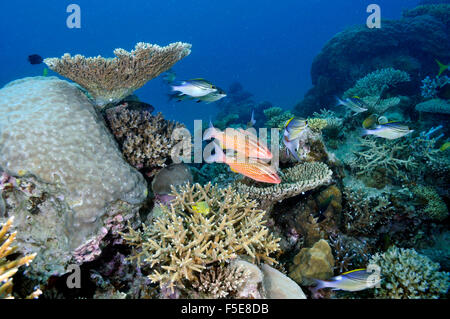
[[317, 124], [111, 80], [294, 180], [181, 243], [9, 267]]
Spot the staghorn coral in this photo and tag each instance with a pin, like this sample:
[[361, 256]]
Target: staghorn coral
[[111, 80], [434, 106], [9, 266], [181, 243], [294, 181], [434, 207], [376, 105], [146, 140], [409, 275], [221, 282], [317, 124], [393, 156], [374, 83]]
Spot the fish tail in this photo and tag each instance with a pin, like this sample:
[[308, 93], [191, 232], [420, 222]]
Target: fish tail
[[211, 132], [339, 101], [442, 67], [320, 284], [364, 132], [217, 157]]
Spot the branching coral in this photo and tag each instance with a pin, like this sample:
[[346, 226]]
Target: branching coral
[[409, 275], [111, 80], [182, 243], [376, 105], [146, 140], [9, 266], [317, 124], [375, 153], [294, 181], [374, 83], [276, 117], [434, 106], [434, 207], [221, 282]]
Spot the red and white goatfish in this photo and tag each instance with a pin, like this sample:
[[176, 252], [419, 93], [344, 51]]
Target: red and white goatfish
[[255, 170], [243, 142]]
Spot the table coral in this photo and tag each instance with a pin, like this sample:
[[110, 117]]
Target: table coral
[[111, 80], [181, 243], [146, 140], [409, 275], [294, 181], [374, 83], [438, 106]]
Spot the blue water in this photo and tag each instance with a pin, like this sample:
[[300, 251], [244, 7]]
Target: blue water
[[268, 46]]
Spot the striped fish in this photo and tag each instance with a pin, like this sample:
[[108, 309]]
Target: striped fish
[[355, 280], [390, 130]]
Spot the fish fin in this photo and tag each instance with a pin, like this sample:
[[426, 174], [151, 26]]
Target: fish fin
[[364, 132], [320, 284], [210, 132], [339, 101], [442, 67], [349, 272], [217, 157]]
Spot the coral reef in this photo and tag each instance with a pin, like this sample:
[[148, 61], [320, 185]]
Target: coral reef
[[409, 275], [279, 286], [294, 181], [410, 44], [374, 83], [111, 80], [53, 140], [434, 106], [316, 262], [10, 266], [276, 117], [182, 243], [434, 206], [221, 282], [146, 140]]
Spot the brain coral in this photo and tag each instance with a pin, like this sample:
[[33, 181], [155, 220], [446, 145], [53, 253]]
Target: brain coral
[[50, 130], [409, 275]]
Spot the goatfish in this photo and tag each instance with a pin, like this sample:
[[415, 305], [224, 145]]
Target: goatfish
[[355, 280], [442, 67], [390, 130], [355, 104], [257, 171], [294, 127], [201, 208], [195, 87], [239, 140]]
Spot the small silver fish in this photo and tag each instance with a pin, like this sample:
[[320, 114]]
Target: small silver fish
[[292, 147], [252, 120], [355, 280], [195, 87], [390, 130], [213, 96], [355, 104]]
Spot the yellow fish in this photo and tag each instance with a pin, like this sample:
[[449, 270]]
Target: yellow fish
[[370, 121], [201, 208], [445, 146]]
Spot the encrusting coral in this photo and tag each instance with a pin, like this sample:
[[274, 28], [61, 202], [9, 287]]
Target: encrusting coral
[[409, 275], [434, 207], [111, 80], [182, 242], [9, 267], [145, 140], [294, 181]]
